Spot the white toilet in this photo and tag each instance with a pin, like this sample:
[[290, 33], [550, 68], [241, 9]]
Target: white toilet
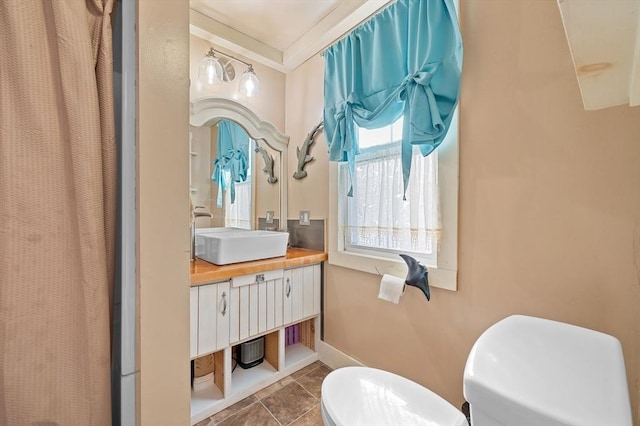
[[521, 371], [367, 396]]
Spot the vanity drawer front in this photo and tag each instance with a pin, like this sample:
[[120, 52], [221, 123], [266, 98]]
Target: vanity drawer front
[[259, 308], [249, 279], [253, 302], [262, 306], [274, 303], [244, 305], [234, 315]]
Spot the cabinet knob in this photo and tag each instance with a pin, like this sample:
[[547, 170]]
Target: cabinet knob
[[288, 287], [259, 278]]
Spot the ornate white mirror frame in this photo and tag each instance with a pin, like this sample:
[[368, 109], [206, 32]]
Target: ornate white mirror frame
[[209, 111]]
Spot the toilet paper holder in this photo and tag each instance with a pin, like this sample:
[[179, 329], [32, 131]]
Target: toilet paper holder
[[417, 275]]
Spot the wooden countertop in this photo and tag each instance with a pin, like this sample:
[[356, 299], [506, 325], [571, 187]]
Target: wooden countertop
[[203, 272]]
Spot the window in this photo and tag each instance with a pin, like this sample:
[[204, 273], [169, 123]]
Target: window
[[370, 229], [377, 220]]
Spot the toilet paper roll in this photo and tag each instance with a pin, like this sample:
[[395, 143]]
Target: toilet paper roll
[[391, 288]]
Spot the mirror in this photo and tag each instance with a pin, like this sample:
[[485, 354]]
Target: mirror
[[265, 187]]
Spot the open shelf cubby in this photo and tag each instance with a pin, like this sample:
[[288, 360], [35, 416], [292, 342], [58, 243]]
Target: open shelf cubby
[[299, 352], [232, 383], [261, 374], [208, 386]]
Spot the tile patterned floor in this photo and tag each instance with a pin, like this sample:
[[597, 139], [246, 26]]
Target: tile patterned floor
[[294, 400]]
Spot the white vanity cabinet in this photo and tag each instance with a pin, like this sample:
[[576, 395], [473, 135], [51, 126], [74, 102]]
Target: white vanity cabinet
[[227, 313]]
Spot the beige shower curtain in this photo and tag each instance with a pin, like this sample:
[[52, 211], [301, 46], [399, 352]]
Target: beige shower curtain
[[57, 207]]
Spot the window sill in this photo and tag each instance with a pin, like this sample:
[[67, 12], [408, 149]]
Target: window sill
[[438, 277]]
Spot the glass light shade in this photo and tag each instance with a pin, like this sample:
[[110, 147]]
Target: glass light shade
[[210, 70], [249, 84]]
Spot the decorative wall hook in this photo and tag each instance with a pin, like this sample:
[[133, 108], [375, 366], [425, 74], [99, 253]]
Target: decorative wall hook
[[268, 163], [417, 275], [303, 154]]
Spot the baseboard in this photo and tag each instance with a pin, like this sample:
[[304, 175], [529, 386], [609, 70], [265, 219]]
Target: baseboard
[[335, 358]]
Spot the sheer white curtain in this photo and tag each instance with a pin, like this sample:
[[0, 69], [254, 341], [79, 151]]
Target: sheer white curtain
[[386, 221], [238, 214]]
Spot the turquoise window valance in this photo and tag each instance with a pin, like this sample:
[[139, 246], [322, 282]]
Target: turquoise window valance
[[231, 159], [405, 60]]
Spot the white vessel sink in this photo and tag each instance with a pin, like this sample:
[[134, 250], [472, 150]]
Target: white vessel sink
[[222, 246]]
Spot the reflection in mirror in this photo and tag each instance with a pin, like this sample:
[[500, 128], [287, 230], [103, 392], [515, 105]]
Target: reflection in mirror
[[224, 141], [222, 176], [232, 174], [268, 163]]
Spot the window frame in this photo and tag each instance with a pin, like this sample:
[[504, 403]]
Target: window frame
[[444, 275]]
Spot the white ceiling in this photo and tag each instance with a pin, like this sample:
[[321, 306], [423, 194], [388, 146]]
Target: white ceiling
[[277, 23], [278, 33], [604, 38]]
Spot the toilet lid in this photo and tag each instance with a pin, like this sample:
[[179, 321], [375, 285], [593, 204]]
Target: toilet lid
[[367, 396]]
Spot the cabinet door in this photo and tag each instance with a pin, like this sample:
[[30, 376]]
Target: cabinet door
[[287, 296], [301, 297], [222, 314], [297, 293], [317, 288], [307, 291], [207, 318], [278, 300], [293, 295], [213, 317], [193, 322]]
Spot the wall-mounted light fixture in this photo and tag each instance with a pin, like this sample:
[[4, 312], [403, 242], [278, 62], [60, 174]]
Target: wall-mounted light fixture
[[215, 70]]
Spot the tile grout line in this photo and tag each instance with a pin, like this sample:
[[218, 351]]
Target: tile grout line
[[212, 423], [303, 387], [303, 414], [305, 374], [269, 411], [307, 391]]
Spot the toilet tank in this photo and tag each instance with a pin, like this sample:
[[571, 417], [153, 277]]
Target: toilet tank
[[532, 371]]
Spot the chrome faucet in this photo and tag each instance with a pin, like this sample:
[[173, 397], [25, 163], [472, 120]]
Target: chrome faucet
[[196, 214]]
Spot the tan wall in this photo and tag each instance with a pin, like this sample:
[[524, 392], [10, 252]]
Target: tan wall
[[549, 221], [305, 91], [163, 211]]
